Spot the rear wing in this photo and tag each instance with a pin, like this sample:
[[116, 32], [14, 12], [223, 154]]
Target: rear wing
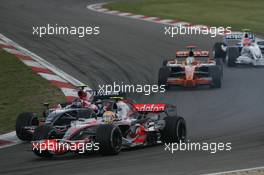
[[238, 36], [196, 53], [106, 95]]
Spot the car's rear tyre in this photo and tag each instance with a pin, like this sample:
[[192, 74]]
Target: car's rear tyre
[[219, 53], [164, 62], [164, 73], [109, 138], [174, 130], [216, 74], [25, 119], [232, 55], [42, 133], [219, 63]]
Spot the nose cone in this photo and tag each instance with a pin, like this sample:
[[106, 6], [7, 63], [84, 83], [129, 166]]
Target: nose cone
[[189, 72]]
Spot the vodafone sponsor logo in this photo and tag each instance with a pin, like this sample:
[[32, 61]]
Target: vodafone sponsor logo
[[150, 107]]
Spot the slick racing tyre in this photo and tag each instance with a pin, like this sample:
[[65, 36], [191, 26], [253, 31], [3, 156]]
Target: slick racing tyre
[[174, 130], [219, 53], [163, 75], [25, 119], [232, 55], [216, 74], [164, 62], [109, 138], [42, 133], [219, 63]]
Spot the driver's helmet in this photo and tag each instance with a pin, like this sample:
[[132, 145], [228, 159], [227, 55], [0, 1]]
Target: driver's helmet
[[246, 40], [82, 95], [190, 58], [87, 95], [109, 117], [246, 35], [191, 54]]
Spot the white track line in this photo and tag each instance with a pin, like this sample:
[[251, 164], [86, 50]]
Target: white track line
[[32, 63], [11, 136], [52, 77], [59, 76], [98, 8], [14, 51], [2, 42], [237, 171], [43, 62]]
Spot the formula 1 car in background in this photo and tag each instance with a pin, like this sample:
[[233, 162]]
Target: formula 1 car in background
[[130, 125], [191, 68], [240, 48], [60, 116]]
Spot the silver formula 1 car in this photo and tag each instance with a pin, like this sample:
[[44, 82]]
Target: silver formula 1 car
[[130, 125]]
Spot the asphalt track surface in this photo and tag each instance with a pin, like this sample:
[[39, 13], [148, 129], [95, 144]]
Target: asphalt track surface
[[131, 51]]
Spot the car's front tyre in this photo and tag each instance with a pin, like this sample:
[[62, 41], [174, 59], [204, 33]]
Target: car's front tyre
[[232, 55], [216, 74], [23, 120], [109, 138], [164, 73]]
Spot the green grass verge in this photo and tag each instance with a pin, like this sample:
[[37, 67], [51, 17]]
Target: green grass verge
[[22, 90], [238, 14]]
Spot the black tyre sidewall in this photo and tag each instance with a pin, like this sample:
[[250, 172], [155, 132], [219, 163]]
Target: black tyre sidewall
[[109, 138], [219, 53], [172, 132], [164, 62], [232, 54], [219, 63], [25, 119], [163, 75], [216, 74]]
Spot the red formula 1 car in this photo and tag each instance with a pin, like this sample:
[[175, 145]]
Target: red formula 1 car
[[191, 68], [126, 125]]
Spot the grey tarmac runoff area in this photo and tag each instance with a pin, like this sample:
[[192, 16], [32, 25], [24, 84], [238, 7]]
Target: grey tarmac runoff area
[[131, 51]]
